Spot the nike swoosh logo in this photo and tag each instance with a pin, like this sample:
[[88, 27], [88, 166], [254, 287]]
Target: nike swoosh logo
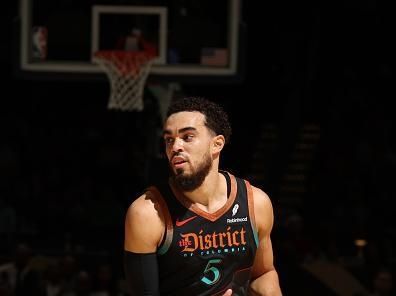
[[181, 223]]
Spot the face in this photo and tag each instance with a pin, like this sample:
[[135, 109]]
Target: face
[[187, 144]]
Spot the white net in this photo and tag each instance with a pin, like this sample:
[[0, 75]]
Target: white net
[[127, 72]]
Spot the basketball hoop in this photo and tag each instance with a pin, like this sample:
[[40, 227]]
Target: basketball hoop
[[127, 72]]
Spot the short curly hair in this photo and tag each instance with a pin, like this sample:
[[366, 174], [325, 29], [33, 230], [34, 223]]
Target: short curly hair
[[216, 119]]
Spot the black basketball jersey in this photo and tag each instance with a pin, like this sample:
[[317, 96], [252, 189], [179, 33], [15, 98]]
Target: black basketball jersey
[[207, 253]]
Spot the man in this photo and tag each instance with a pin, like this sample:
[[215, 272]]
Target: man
[[204, 232]]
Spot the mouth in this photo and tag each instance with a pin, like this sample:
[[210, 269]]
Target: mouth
[[178, 162]]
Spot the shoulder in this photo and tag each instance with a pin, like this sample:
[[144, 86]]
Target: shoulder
[[144, 223], [145, 206], [263, 209], [261, 199]]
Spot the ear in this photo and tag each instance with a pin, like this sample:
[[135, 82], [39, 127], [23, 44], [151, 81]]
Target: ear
[[218, 143]]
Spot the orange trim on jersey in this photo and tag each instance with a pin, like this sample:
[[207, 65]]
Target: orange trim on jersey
[[168, 234], [209, 216], [251, 210]]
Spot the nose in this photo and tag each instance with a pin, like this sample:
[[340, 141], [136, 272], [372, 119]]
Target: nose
[[177, 145]]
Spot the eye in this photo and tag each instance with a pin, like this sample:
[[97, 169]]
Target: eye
[[188, 137], [169, 141]]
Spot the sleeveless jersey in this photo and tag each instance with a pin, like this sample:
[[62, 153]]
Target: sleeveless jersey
[[207, 253]]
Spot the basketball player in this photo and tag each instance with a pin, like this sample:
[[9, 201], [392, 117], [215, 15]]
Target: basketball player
[[204, 231]]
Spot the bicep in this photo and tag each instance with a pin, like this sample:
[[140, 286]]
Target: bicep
[[263, 261], [143, 226], [143, 233]]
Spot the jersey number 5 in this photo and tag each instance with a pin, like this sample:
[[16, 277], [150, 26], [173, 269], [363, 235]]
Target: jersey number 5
[[211, 273]]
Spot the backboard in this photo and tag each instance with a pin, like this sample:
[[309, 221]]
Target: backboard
[[195, 40]]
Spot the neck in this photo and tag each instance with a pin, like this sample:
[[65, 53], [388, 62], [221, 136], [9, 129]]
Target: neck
[[212, 194]]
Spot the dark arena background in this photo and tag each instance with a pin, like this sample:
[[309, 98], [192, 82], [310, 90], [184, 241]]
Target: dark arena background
[[309, 88]]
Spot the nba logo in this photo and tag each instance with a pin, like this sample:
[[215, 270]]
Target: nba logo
[[39, 35]]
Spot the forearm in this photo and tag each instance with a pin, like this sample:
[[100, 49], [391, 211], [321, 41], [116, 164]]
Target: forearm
[[266, 285], [141, 273]]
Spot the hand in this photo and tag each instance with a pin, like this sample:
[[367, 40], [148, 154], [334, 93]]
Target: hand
[[228, 293]]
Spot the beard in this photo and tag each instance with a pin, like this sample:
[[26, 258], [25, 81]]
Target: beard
[[192, 181]]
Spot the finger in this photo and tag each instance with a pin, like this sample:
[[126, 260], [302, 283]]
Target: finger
[[228, 293]]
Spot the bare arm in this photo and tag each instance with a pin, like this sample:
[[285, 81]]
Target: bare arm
[[265, 280], [144, 225], [144, 228]]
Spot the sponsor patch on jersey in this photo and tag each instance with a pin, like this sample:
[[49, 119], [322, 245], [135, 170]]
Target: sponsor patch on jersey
[[237, 220], [235, 210]]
